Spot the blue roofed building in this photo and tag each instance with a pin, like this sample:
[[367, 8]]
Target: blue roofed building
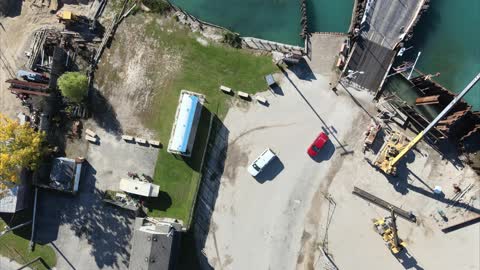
[[186, 122]]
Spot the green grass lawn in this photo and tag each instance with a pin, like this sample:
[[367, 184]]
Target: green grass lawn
[[203, 70], [15, 245]]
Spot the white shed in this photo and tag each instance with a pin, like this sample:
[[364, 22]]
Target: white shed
[[139, 188]]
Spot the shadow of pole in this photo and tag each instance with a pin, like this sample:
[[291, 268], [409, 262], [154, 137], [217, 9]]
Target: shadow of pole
[[441, 198], [407, 260], [63, 256], [357, 102], [325, 126]]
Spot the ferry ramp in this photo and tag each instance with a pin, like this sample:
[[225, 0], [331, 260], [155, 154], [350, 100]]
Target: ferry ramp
[[387, 21], [384, 25]]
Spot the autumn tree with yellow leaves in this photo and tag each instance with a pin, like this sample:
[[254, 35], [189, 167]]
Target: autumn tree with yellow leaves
[[20, 147]]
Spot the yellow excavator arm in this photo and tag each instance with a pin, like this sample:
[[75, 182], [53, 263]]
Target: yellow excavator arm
[[394, 161]]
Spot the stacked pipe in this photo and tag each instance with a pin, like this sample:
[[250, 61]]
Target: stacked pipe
[[303, 20]]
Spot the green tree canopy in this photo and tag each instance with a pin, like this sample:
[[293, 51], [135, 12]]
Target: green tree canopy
[[73, 85]]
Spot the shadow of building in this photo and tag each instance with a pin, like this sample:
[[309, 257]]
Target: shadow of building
[[212, 171]]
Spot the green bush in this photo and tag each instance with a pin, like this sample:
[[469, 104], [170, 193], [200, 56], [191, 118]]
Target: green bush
[[232, 39], [74, 86], [157, 6]]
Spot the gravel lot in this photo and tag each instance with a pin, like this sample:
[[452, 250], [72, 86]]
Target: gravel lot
[[258, 223], [283, 219]]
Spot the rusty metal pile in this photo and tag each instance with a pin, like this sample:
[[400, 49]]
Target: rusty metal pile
[[461, 122]]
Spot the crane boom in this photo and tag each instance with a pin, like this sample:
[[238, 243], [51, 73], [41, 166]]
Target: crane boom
[[435, 121]]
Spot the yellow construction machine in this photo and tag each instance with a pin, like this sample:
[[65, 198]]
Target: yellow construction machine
[[390, 150], [396, 147], [69, 18], [387, 228], [66, 16]]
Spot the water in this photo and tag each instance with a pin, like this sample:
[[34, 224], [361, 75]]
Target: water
[[447, 34], [276, 20], [448, 37], [403, 89]]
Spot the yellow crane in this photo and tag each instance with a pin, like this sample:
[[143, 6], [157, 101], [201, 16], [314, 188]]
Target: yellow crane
[[396, 148], [387, 228]]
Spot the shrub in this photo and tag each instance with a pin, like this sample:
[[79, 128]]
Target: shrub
[[74, 86]]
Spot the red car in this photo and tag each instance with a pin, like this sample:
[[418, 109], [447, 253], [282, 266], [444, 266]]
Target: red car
[[317, 145]]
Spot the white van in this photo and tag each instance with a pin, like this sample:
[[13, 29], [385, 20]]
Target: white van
[[257, 166]]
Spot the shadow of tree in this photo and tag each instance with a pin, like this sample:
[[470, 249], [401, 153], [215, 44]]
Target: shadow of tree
[[11, 8], [103, 112], [107, 230]]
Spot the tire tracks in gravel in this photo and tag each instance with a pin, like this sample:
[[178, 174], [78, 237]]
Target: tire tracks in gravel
[[309, 241], [238, 156]]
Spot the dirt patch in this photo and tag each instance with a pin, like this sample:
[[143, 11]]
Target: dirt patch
[[133, 71], [202, 41], [237, 157], [15, 35]]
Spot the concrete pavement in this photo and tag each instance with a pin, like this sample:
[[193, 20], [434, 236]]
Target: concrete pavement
[[259, 223]]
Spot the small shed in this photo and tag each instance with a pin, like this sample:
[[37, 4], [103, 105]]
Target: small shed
[[139, 188], [270, 80], [65, 174]]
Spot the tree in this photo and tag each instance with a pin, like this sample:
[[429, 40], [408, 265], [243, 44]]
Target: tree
[[232, 39], [73, 85], [20, 147]]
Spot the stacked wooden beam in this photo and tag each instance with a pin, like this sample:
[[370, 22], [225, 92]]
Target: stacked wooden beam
[[427, 100], [37, 46]]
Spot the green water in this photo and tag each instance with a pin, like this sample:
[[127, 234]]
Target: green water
[[448, 36], [277, 20], [403, 89]]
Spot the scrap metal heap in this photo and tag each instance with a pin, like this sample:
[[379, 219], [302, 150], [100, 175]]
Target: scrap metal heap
[[461, 122]]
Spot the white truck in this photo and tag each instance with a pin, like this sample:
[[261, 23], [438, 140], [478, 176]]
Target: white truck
[[261, 162]]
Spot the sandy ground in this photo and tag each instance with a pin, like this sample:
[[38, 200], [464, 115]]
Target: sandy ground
[[7, 264], [15, 38], [279, 220], [258, 223], [132, 71], [15, 34]]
